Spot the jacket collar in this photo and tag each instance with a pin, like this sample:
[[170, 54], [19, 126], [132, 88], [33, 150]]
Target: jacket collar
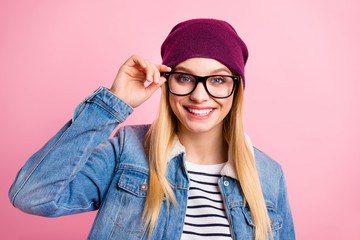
[[228, 169]]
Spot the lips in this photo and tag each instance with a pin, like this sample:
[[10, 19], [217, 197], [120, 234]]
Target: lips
[[199, 111]]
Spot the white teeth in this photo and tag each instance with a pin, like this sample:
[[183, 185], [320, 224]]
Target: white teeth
[[200, 112]]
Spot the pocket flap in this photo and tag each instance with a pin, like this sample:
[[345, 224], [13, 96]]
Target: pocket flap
[[135, 182], [275, 218]]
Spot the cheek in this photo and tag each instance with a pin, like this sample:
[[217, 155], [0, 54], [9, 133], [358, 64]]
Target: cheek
[[226, 105], [174, 102]]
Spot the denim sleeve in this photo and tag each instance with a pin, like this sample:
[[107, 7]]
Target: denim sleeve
[[73, 170], [287, 231]]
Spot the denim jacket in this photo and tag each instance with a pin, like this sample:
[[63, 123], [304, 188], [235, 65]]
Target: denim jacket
[[80, 169]]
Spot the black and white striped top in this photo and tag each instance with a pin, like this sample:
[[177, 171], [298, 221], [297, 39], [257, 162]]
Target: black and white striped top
[[205, 214]]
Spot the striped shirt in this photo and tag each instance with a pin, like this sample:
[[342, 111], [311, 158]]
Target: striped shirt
[[205, 214]]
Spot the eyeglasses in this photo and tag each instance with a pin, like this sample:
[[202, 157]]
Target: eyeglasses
[[217, 86]]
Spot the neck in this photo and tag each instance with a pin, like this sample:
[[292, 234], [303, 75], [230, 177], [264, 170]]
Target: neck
[[204, 148]]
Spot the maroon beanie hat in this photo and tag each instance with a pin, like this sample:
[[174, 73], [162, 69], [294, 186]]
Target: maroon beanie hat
[[208, 38]]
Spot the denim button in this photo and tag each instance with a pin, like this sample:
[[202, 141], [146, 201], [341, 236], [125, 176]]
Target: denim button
[[226, 183], [143, 187]]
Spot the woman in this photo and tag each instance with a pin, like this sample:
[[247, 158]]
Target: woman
[[192, 174]]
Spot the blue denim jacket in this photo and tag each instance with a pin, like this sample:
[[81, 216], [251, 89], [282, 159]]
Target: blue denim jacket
[[80, 169]]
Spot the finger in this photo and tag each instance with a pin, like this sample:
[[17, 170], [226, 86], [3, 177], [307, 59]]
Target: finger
[[163, 68], [162, 81], [156, 73], [154, 86], [149, 71], [139, 61]]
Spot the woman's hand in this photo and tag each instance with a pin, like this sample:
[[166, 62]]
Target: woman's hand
[[129, 82]]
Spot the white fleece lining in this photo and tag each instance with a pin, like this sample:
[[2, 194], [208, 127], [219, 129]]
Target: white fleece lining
[[227, 170]]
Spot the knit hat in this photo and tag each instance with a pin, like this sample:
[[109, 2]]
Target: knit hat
[[209, 38]]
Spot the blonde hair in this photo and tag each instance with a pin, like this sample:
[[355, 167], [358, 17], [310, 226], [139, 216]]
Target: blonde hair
[[158, 142]]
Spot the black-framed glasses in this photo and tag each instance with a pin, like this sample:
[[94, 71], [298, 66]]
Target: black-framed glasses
[[217, 86]]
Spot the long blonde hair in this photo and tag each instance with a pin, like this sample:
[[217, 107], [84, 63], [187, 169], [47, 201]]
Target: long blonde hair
[[158, 142]]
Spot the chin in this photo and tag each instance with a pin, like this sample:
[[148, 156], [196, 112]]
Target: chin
[[200, 127]]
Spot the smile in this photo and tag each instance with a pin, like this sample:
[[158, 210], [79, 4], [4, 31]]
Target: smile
[[199, 112]]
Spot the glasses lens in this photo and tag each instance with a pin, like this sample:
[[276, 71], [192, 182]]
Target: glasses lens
[[220, 86], [181, 83]]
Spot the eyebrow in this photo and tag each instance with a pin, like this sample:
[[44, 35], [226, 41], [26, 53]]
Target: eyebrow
[[215, 71]]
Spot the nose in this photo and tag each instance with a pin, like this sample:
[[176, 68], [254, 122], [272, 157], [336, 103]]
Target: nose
[[199, 94]]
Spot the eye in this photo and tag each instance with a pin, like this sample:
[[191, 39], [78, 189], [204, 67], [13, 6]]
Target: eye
[[217, 80], [183, 78]]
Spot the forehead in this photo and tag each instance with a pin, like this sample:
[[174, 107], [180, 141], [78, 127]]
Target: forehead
[[202, 66]]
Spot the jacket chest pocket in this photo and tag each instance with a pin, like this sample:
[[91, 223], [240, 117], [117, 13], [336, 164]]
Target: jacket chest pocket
[[275, 219], [128, 205]]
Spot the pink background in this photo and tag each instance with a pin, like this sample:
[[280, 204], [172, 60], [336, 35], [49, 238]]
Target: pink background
[[302, 92]]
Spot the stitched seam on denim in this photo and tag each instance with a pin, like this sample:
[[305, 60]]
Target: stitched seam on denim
[[74, 208], [121, 145], [279, 224], [114, 228], [179, 186], [248, 217], [277, 227], [130, 189], [104, 106], [279, 185], [100, 89], [133, 168], [119, 226], [142, 170], [227, 207], [268, 203], [113, 207], [113, 232], [37, 165], [273, 227], [124, 106], [235, 204], [116, 223], [281, 220]]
